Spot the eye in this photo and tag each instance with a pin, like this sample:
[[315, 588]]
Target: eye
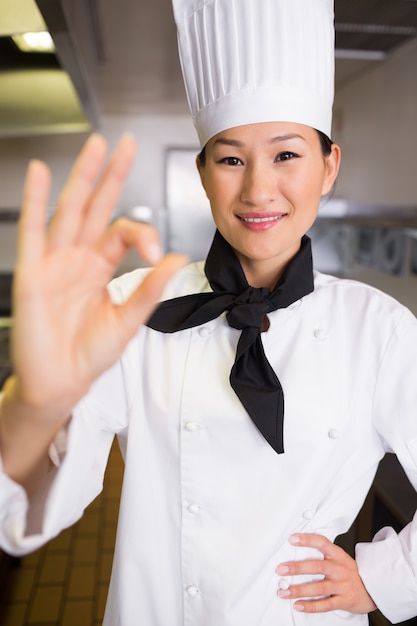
[[286, 156], [230, 161]]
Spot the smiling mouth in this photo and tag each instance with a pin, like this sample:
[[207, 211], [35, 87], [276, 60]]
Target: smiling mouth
[[260, 220]]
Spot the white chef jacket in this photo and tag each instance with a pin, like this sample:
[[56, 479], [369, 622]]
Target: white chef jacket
[[207, 505]]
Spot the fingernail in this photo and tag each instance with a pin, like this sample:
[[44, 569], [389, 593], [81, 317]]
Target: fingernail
[[284, 593], [294, 539], [299, 607], [283, 569]]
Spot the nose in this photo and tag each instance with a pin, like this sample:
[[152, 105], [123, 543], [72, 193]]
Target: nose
[[258, 186]]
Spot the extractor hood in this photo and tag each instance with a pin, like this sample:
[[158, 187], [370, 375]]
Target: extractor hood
[[47, 93]]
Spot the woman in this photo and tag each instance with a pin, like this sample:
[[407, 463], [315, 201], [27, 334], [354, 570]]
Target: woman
[[229, 508], [252, 176]]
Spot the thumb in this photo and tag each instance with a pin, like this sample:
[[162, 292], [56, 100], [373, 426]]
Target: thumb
[[143, 301]]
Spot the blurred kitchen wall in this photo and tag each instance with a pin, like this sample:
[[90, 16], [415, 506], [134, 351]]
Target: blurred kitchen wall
[[375, 121]]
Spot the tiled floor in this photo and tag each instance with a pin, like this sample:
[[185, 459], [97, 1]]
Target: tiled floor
[[65, 583]]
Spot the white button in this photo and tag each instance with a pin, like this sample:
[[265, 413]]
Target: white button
[[308, 514], [192, 591], [283, 583], [204, 331], [192, 426], [194, 508], [333, 433], [320, 334]]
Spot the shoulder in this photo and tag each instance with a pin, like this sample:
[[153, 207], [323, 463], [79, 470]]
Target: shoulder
[[357, 293], [354, 302], [190, 279]]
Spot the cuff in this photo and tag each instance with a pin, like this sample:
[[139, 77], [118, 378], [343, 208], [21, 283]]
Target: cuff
[[388, 575]]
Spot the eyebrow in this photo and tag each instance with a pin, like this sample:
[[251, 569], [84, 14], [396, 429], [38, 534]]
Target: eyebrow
[[238, 144], [228, 142], [285, 137]]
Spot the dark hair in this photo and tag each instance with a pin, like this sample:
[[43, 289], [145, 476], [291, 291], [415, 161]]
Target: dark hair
[[325, 144]]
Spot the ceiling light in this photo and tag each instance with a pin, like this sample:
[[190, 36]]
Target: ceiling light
[[34, 42], [376, 29], [360, 55]]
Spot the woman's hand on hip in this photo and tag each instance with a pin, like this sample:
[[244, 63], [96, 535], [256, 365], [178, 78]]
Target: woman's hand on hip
[[340, 587]]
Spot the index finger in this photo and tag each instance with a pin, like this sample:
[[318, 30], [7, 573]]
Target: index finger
[[313, 540], [32, 221]]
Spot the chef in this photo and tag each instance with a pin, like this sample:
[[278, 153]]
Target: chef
[[253, 405]]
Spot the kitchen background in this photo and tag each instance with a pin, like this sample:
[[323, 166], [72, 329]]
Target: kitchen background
[[115, 70], [124, 68]]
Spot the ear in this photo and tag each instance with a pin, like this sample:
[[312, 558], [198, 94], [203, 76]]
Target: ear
[[201, 171], [332, 164]]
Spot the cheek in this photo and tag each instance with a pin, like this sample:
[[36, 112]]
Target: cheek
[[310, 187], [216, 205], [220, 193], [305, 198], [210, 185]]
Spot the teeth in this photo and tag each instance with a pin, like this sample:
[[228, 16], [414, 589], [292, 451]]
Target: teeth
[[261, 219]]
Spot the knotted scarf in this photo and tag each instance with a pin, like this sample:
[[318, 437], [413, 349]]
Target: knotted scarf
[[251, 377]]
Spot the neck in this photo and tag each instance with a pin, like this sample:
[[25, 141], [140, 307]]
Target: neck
[[255, 278], [266, 273]]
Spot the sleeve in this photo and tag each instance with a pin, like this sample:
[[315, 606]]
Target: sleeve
[[80, 457], [388, 564]]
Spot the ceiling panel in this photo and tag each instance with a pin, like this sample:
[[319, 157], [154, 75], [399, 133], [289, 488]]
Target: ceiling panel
[[142, 73], [19, 16], [125, 52]]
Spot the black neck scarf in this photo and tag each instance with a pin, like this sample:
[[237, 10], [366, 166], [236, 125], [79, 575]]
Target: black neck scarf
[[251, 377]]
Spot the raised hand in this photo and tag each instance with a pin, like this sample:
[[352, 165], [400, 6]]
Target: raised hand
[[66, 330], [341, 587]]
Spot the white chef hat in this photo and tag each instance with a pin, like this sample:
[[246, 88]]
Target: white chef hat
[[249, 61]]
